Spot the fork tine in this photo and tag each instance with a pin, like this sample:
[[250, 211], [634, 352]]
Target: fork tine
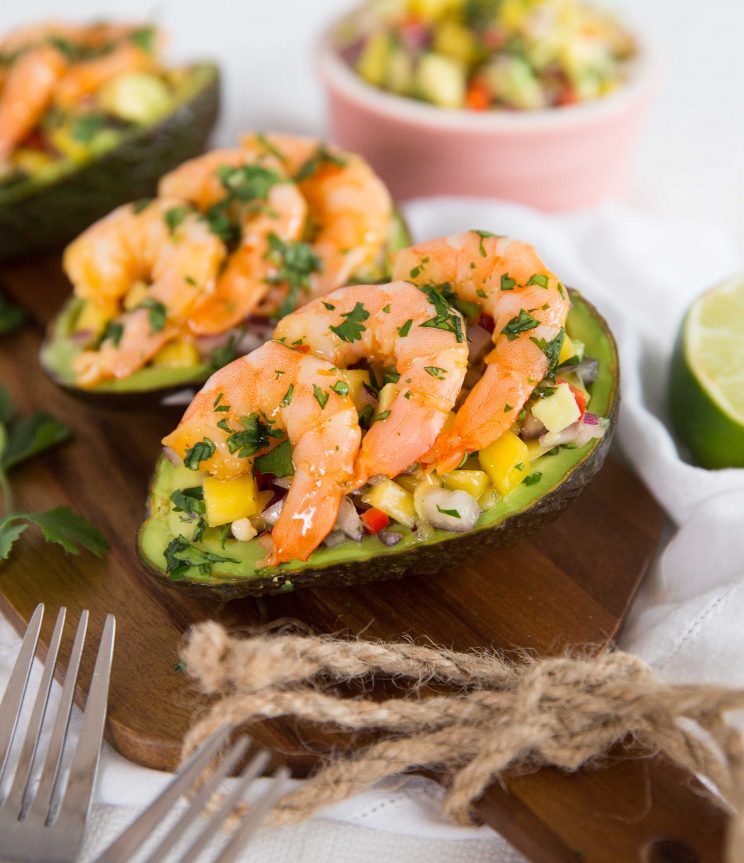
[[252, 771], [17, 794], [10, 706], [253, 820], [122, 848], [40, 808], [203, 796], [77, 795]]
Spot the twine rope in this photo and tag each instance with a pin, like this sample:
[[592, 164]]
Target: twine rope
[[502, 715]]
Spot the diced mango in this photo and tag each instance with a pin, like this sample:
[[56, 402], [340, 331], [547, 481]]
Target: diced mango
[[441, 80], [263, 498], [535, 450], [231, 499], [91, 318], [567, 350], [408, 481], [454, 40], [431, 9], [387, 395], [506, 462], [356, 378], [177, 355], [137, 293], [558, 410], [393, 500], [474, 482], [372, 63]]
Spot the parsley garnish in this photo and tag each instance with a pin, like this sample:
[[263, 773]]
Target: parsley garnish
[[386, 309], [295, 262], [157, 314], [366, 416], [181, 555], [287, 400], [436, 372], [255, 436], [173, 218], [481, 246], [21, 438], [520, 324], [538, 279], [320, 397], [482, 294], [352, 328], [322, 156], [406, 328], [551, 350], [452, 512], [199, 452], [329, 306], [190, 500], [341, 388], [508, 408], [507, 283], [447, 317], [533, 478], [246, 186], [278, 462]]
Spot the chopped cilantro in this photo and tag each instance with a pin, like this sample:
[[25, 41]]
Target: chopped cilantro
[[451, 512], [533, 478], [295, 262], [142, 204], [157, 314], [320, 397], [270, 148], [383, 415], [520, 324], [173, 217], [519, 465], [112, 332], [322, 156], [391, 376], [447, 317], [329, 306], [341, 388], [287, 400], [538, 279], [189, 500], [199, 528], [144, 38], [386, 309], [551, 350], [508, 408], [352, 328], [277, 462], [190, 280], [86, 127], [406, 328], [181, 555], [482, 294], [436, 372], [199, 452], [278, 373], [507, 283], [365, 416], [481, 246], [255, 436]]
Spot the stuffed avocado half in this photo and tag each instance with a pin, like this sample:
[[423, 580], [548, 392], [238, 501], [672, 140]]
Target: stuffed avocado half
[[105, 149], [182, 362], [521, 482]]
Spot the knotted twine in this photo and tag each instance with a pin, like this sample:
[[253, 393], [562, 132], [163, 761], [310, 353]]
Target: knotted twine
[[497, 715]]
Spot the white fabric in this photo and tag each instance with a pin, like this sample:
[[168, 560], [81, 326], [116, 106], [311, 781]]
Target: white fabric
[[686, 621]]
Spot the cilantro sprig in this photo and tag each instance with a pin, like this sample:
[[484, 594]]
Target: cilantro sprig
[[295, 262], [22, 438], [353, 326]]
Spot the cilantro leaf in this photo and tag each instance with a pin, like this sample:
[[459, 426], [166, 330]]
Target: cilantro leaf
[[157, 315], [453, 512], [144, 38], [12, 317], [520, 324], [352, 328], [296, 262], [173, 217], [181, 555], [447, 316], [406, 328], [69, 530], [483, 235], [113, 331], [322, 156], [538, 279], [189, 500], [277, 462], [320, 397], [533, 478], [86, 127], [552, 350], [199, 452], [31, 435], [436, 372], [507, 283], [255, 436], [341, 388]]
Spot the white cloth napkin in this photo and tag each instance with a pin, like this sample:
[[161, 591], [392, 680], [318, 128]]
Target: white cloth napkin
[[642, 273]]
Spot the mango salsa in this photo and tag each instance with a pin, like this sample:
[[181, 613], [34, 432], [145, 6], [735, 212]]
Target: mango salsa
[[506, 461], [229, 500], [177, 355], [393, 500], [474, 482]]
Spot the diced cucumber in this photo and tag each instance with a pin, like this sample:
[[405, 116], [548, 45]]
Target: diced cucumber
[[136, 97], [441, 80]]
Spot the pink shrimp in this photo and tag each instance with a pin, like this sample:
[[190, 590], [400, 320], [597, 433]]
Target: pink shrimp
[[509, 281], [277, 391]]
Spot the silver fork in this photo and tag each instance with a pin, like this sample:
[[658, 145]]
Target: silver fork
[[46, 826], [136, 835]]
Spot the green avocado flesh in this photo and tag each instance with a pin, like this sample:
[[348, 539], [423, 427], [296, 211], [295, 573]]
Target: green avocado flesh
[[563, 475], [50, 208], [59, 349]]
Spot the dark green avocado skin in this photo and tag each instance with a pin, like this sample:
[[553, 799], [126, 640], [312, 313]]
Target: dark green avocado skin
[[49, 216], [427, 557]]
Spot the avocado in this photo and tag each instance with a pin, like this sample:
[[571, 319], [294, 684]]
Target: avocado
[[562, 477], [60, 348], [49, 209]]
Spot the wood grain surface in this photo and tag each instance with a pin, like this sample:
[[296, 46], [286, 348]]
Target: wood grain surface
[[569, 585]]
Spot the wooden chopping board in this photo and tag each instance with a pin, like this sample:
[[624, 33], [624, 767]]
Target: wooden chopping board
[[571, 584]]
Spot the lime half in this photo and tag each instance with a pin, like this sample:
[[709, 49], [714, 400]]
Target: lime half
[[707, 377]]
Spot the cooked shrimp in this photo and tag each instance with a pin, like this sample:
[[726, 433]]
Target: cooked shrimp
[[164, 245], [86, 77], [507, 279], [410, 329], [27, 93], [350, 208], [278, 390]]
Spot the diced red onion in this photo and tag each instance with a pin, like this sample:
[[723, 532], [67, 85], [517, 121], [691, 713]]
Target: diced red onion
[[589, 431], [172, 456], [348, 521], [566, 435], [282, 481], [81, 338], [479, 341], [389, 537], [271, 514], [591, 419], [335, 537]]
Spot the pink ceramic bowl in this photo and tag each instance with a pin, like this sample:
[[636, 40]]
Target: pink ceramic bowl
[[553, 159]]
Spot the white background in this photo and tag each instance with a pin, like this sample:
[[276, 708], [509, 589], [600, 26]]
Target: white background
[[691, 159]]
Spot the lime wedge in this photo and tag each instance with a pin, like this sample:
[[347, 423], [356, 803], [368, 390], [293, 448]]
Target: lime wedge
[[706, 387]]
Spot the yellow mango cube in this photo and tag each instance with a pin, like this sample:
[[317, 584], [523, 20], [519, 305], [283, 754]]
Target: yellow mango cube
[[356, 379], [408, 481], [506, 461], [454, 40], [231, 499], [393, 500], [474, 482], [387, 396], [177, 355], [136, 294], [91, 318], [567, 350]]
